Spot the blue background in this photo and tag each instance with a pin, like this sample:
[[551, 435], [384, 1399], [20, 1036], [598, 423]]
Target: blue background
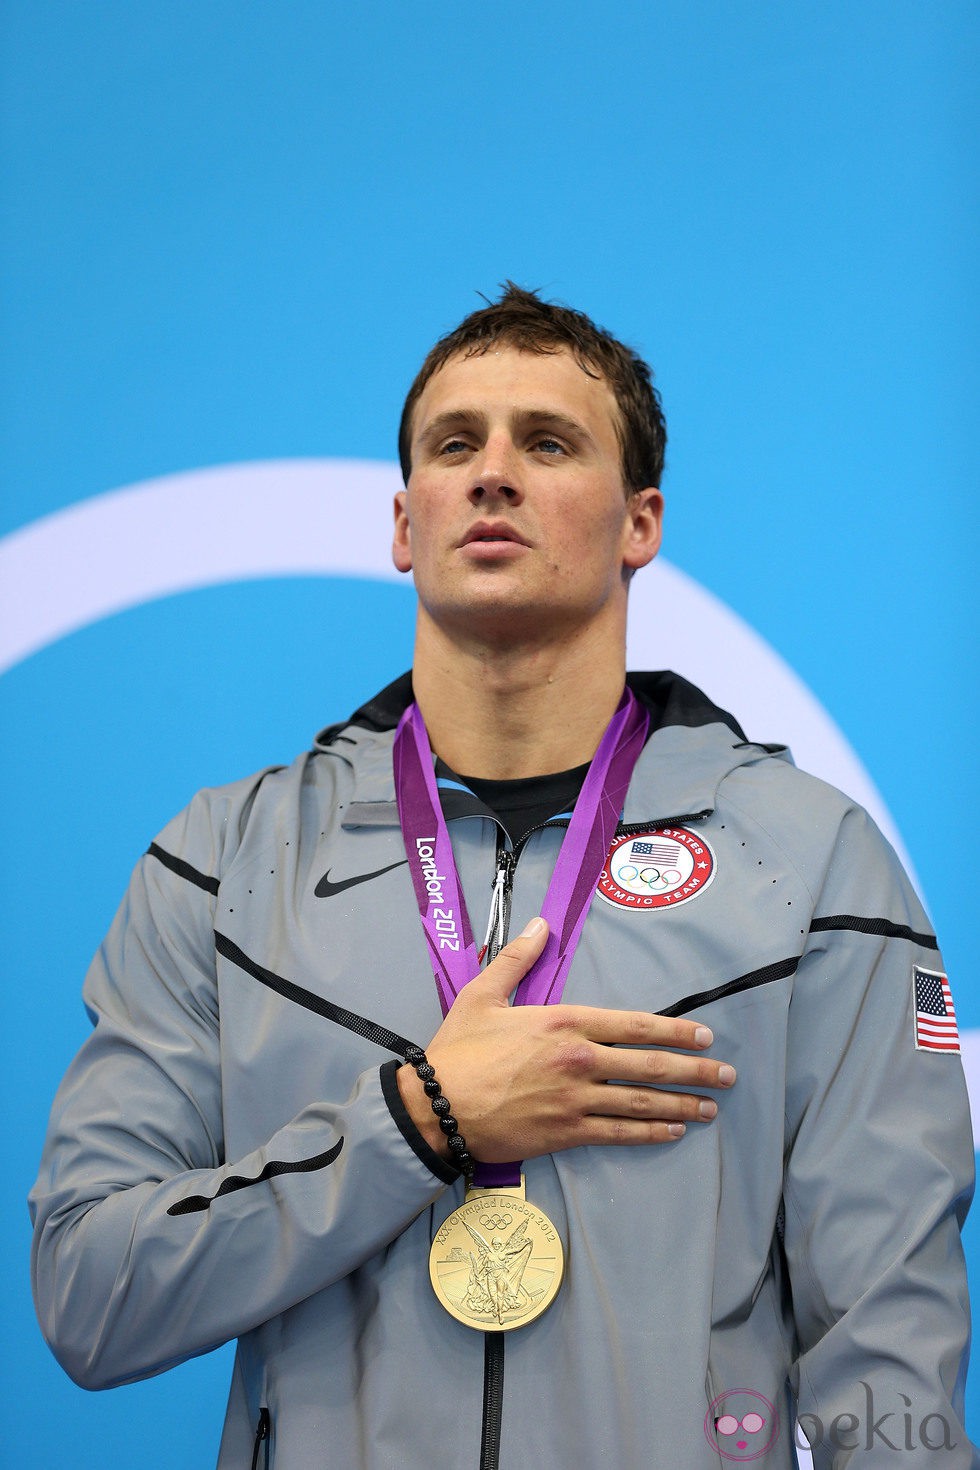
[[231, 231]]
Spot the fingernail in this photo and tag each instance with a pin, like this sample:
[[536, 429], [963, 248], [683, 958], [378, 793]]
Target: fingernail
[[535, 927], [707, 1109], [726, 1075], [676, 1130], [703, 1036]]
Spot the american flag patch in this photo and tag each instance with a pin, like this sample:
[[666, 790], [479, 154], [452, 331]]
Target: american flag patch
[[662, 852], [935, 1018]]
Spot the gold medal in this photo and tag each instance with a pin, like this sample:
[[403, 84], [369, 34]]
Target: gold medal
[[496, 1262]]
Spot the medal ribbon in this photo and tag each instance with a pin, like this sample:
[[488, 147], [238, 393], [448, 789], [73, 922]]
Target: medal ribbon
[[439, 892]]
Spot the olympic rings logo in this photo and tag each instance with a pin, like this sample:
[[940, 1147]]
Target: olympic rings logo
[[656, 879]]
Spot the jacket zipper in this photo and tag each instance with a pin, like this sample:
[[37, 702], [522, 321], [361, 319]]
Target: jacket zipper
[[498, 921], [498, 928], [262, 1433], [629, 829], [498, 932]]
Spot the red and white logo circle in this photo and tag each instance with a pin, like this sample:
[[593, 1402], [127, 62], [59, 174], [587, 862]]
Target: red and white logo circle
[[659, 869]]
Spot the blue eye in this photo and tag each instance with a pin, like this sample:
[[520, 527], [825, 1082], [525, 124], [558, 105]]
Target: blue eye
[[550, 446]]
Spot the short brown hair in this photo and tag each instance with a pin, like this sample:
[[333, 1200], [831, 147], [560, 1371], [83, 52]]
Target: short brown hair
[[521, 319]]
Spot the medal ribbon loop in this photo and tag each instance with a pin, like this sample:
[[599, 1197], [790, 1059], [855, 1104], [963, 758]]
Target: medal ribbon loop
[[439, 892]]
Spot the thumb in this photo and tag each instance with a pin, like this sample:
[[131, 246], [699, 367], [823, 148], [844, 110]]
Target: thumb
[[515, 959]]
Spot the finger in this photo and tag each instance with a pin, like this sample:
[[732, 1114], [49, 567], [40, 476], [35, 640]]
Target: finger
[[660, 1068], [513, 961], [628, 1131], [648, 1103], [634, 1028]]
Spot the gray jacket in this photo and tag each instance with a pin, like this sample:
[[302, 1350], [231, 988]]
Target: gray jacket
[[228, 1155]]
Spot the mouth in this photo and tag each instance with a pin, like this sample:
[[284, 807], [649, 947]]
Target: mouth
[[492, 533]]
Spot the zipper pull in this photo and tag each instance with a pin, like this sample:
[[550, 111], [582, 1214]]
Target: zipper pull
[[495, 921]]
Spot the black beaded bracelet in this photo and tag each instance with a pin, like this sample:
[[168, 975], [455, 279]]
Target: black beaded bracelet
[[442, 1108]]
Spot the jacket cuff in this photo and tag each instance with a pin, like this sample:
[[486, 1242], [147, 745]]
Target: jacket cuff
[[440, 1167]]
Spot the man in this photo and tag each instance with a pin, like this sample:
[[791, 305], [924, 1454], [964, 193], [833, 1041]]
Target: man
[[292, 1098]]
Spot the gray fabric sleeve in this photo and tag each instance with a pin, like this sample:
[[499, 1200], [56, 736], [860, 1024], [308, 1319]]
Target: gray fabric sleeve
[[878, 1178]]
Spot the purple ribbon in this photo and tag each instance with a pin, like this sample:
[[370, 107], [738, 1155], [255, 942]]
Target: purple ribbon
[[439, 892]]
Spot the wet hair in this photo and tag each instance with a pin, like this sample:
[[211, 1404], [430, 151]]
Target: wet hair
[[521, 319]]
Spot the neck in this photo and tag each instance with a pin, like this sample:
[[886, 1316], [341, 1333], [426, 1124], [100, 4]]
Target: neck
[[505, 713]]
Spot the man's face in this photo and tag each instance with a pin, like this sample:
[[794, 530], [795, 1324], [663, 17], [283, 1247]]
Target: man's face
[[516, 521]]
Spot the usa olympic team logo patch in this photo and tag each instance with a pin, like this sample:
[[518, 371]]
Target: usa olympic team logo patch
[[659, 869]]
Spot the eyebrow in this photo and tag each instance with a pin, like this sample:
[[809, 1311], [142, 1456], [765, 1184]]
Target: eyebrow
[[452, 418]]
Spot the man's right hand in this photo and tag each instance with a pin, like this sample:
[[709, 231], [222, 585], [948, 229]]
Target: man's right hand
[[530, 1080]]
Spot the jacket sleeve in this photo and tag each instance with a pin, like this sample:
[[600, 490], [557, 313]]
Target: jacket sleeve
[[878, 1178], [149, 1245]]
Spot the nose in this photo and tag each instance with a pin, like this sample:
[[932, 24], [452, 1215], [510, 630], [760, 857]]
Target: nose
[[496, 472]]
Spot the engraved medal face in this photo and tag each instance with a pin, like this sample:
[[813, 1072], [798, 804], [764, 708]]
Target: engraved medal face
[[496, 1263]]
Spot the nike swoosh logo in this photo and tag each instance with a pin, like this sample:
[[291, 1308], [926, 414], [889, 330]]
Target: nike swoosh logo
[[326, 889]]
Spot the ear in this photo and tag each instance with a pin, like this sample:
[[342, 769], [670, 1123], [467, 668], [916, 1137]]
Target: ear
[[644, 525], [401, 546]]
